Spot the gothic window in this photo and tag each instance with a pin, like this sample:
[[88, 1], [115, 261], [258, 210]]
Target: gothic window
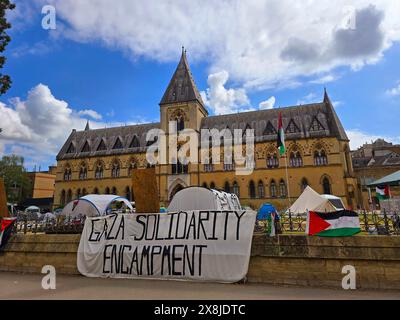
[[86, 147], [212, 185], [62, 198], [326, 186], [107, 191], [83, 172], [179, 168], [227, 187], [236, 189], [295, 159], [320, 158], [205, 185], [135, 143], [84, 192], [180, 122], [96, 191], [114, 191], [132, 165], [316, 125], [272, 161], [292, 127], [304, 184], [272, 189], [261, 190], [102, 146], [252, 189], [78, 193], [99, 171], [71, 148], [128, 194], [68, 173], [115, 170], [269, 129], [69, 196], [118, 144], [282, 189]]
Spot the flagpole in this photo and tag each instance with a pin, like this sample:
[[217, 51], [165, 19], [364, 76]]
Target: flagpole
[[287, 180]]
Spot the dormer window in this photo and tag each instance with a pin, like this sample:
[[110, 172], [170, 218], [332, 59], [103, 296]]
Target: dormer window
[[102, 146], [118, 144], [135, 143]]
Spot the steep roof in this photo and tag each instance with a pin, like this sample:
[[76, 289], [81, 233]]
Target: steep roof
[[109, 136], [182, 87], [298, 122]]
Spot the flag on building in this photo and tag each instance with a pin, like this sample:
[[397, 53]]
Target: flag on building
[[6, 227], [281, 136], [382, 192], [342, 223]]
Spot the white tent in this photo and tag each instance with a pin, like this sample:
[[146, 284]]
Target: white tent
[[94, 205], [311, 200], [198, 198]]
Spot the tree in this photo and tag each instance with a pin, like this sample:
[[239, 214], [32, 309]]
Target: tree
[[5, 80], [18, 185]]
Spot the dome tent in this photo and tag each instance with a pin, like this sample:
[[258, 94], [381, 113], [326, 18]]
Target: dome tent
[[264, 213], [311, 200], [93, 205], [199, 198]]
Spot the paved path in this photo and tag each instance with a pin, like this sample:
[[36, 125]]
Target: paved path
[[28, 286]]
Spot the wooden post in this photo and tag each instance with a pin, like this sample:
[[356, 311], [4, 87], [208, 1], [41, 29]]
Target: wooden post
[[3, 200], [144, 186]]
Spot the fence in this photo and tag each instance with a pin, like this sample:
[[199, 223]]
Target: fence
[[374, 222]]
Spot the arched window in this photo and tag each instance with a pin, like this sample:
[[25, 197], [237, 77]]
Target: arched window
[[132, 165], [227, 187], [84, 192], [212, 185], [205, 185], [78, 193], [261, 190], [69, 196], [115, 171], [304, 184], [99, 171], [320, 158], [96, 191], [62, 198], [282, 189], [272, 189], [326, 186], [252, 189], [114, 191], [107, 191], [68, 173], [272, 160], [236, 189], [83, 172], [180, 122], [128, 193], [295, 159]]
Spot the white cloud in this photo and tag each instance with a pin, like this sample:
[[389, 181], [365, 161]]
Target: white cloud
[[91, 113], [260, 43], [358, 138], [221, 100], [310, 98], [268, 104], [394, 91], [325, 79]]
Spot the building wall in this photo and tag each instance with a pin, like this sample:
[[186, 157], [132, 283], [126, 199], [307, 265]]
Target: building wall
[[43, 184]]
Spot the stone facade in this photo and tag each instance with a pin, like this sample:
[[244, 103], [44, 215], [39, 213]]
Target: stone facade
[[99, 161]]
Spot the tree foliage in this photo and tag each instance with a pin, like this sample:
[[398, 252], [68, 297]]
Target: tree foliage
[[17, 184], [5, 80]]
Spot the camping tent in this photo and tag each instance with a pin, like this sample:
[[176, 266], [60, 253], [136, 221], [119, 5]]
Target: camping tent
[[265, 211], [198, 198], [311, 200], [94, 205], [32, 209]]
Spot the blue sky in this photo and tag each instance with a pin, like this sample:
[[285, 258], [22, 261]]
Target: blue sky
[[116, 75]]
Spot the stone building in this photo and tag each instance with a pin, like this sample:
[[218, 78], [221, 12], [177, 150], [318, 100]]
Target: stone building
[[371, 162], [100, 161]]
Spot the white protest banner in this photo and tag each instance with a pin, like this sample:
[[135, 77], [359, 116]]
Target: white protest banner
[[194, 245]]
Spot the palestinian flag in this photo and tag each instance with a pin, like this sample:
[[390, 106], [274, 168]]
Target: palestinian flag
[[382, 192], [6, 230], [342, 223], [281, 136]]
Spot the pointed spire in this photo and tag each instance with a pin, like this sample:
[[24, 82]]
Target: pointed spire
[[326, 96], [87, 128], [336, 125], [182, 87]]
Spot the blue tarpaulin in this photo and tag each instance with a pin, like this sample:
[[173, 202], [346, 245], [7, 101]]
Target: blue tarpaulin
[[264, 213]]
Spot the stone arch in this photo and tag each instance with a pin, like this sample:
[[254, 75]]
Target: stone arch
[[326, 183], [175, 187]]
